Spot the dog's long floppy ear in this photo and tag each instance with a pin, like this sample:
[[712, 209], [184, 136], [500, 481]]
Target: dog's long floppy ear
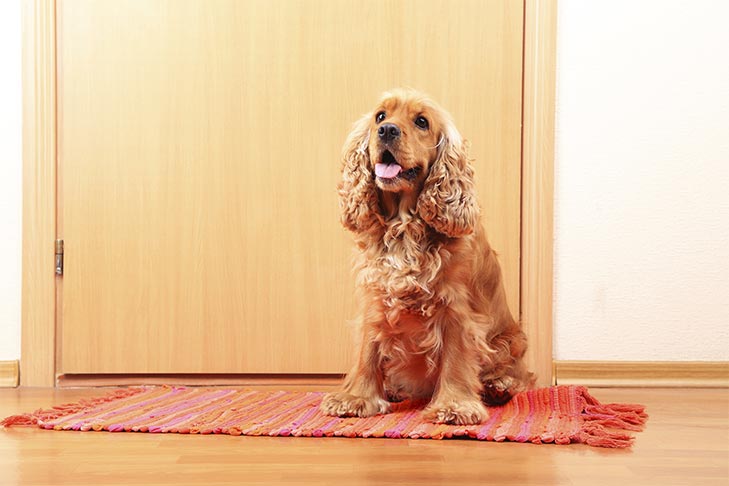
[[357, 194], [448, 201]]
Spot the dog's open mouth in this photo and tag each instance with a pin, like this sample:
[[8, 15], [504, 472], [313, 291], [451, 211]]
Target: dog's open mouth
[[389, 170]]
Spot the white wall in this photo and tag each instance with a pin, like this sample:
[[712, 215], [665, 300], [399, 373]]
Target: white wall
[[10, 179], [642, 181]]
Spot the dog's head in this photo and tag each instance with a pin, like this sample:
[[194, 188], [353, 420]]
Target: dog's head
[[404, 136], [408, 144]]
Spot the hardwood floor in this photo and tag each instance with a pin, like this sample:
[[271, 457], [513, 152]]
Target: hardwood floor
[[686, 442]]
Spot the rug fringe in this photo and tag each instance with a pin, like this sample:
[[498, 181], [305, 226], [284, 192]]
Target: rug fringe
[[599, 417], [58, 411], [598, 436]]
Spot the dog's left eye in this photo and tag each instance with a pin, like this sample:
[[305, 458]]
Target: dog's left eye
[[422, 123]]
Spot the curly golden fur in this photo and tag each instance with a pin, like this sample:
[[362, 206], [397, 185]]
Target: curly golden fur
[[434, 319]]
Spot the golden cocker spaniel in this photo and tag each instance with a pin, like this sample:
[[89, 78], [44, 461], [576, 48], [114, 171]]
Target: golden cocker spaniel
[[434, 320]]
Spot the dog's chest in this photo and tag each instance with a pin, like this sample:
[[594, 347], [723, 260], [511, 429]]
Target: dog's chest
[[406, 269]]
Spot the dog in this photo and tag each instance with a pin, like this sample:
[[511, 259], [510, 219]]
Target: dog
[[434, 322]]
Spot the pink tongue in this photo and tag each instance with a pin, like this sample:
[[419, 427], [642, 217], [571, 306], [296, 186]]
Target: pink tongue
[[387, 171]]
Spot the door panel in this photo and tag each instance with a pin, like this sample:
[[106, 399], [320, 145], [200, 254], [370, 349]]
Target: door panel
[[199, 148]]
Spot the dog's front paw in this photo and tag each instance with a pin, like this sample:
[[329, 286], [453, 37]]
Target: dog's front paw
[[498, 391], [342, 404], [463, 412]]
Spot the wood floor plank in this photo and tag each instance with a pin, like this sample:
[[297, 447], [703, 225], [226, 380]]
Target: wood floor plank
[[686, 442]]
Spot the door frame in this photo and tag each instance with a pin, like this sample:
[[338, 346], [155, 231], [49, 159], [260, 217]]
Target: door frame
[[39, 298]]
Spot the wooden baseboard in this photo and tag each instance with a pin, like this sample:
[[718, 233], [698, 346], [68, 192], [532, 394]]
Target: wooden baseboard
[[9, 374], [80, 380], [713, 374]]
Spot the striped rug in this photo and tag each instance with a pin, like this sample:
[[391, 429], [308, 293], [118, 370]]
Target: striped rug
[[558, 415]]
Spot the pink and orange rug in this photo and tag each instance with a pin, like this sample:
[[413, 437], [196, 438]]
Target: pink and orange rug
[[559, 415]]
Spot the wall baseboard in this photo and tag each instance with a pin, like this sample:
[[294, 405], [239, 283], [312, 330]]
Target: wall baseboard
[[711, 374], [9, 374]]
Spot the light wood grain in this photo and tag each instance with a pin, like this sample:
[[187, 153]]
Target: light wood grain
[[685, 443], [39, 192], [623, 373], [540, 19], [9, 371], [226, 379], [199, 151]]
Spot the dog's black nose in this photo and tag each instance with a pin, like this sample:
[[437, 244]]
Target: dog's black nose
[[388, 132]]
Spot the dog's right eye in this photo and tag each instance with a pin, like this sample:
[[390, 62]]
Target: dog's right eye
[[380, 116]]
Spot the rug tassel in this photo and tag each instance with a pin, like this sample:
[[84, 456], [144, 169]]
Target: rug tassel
[[614, 422], [598, 436], [58, 411], [622, 416], [599, 417], [24, 419]]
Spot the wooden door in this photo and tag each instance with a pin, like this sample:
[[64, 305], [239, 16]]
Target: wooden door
[[198, 152]]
